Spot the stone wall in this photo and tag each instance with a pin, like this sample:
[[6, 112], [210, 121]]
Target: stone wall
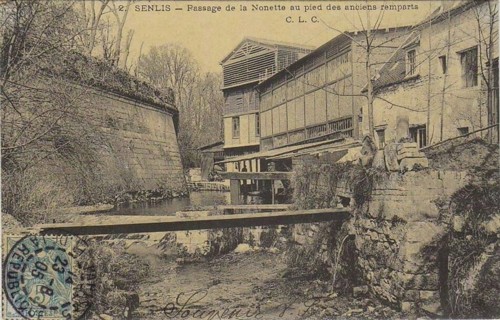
[[141, 151], [395, 232], [396, 236]]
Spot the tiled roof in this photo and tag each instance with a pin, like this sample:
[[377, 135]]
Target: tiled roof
[[394, 70]]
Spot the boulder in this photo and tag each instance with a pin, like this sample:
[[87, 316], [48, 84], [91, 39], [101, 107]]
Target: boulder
[[391, 157]]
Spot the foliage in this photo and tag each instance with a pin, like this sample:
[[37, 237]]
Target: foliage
[[268, 237], [476, 204], [53, 145], [327, 256], [118, 277], [315, 185], [46, 134], [331, 253], [197, 96], [101, 74]]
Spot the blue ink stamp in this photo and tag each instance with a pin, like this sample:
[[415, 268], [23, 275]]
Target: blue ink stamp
[[47, 277]]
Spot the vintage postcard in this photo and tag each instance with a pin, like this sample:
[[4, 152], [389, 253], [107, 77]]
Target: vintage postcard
[[249, 159]]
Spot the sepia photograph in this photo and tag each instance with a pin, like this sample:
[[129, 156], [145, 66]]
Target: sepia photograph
[[242, 160]]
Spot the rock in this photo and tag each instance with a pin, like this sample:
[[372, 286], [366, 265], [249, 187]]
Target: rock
[[354, 311], [273, 250], [391, 157], [243, 248], [429, 295], [408, 164], [368, 150], [433, 307], [379, 160], [407, 145], [492, 226], [359, 291], [410, 153], [407, 307], [411, 295], [429, 281], [458, 223]]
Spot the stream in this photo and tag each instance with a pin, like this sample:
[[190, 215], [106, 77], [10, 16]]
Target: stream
[[169, 207]]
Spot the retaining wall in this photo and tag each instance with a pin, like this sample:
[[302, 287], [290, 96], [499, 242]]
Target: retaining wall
[[140, 150], [395, 233], [396, 236]]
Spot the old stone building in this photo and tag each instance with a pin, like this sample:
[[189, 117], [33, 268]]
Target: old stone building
[[443, 80]]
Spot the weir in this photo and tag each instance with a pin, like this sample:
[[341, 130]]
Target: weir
[[162, 224]]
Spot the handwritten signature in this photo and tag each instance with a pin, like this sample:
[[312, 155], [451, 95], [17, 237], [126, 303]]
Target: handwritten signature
[[187, 306]]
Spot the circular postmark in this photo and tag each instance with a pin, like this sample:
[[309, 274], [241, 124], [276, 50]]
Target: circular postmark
[[47, 277]]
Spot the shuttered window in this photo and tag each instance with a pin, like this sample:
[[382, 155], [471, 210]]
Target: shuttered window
[[469, 67]]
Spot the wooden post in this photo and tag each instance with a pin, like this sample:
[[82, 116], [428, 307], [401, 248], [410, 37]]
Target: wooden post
[[272, 191], [250, 169], [234, 187]]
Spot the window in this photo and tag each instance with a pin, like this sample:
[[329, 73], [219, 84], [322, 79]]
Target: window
[[468, 59], [239, 102], [419, 135], [411, 62], [257, 124], [463, 131], [236, 127], [444, 66], [381, 138]]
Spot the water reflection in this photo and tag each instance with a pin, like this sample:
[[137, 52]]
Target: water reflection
[[170, 206]]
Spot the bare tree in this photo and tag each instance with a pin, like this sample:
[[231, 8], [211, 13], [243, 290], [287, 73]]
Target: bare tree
[[43, 125], [197, 95], [486, 35], [103, 32], [487, 26], [91, 14]]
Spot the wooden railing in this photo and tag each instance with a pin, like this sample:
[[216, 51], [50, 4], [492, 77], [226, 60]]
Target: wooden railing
[[333, 129]]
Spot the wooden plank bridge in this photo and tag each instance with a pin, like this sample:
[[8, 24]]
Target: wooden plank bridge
[[162, 224]]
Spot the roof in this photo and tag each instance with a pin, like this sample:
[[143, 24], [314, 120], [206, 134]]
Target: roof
[[212, 147], [346, 35], [452, 7], [394, 70], [270, 44], [288, 152], [100, 74]]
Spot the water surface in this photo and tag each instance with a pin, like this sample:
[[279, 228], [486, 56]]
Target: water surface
[[171, 206]]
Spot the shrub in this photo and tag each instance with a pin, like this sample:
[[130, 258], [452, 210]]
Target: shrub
[[118, 277], [476, 204]]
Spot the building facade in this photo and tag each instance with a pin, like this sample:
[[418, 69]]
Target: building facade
[[319, 96], [443, 80], [252, 61]]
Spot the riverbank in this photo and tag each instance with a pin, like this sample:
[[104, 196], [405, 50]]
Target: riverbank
[[250, 285]]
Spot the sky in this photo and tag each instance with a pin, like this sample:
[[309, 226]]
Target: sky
[[211, 36]]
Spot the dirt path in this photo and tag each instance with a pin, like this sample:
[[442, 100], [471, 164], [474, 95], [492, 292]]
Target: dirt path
[[245, 286]]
